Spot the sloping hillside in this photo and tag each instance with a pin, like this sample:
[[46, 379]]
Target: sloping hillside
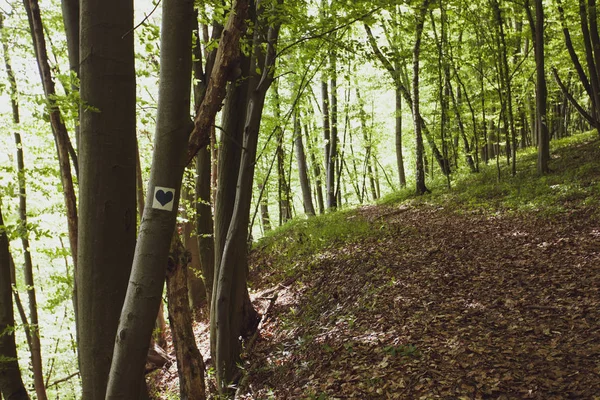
[[487, 291]]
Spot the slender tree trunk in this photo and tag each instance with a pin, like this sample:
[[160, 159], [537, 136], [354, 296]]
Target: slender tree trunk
[[285, 212], [419, 168], [332, 157], [398, 136], [61, 137], [195, 284], [309, 208], [541, 93], [204, 221], [589, 52], [265, 219], [230, 319], [11, 383], [33, 328], [190, 365], [316, 171]]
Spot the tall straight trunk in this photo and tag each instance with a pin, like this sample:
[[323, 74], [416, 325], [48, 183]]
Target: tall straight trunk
[[283, 189], [204, 166], [326, 134], [265, 219], [419, 167], [506, 83], [61, 137], [195, 285], [398, 137], [589, 55], [541, 93], [309, 208], [35, 347], [231, 309], [316, 170], [33, 328], [108, 166], [332, 157], [11, 383], [175, 147], [204, 221], [230, 149]]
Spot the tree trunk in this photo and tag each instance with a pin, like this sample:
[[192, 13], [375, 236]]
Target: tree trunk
[[285, 212], [419, 168], [309, 208], [33, 328], [61, 137], [174, 149], [204, 221], [399, 155], [316, 170], [233, 315], [541, 92], [108, 167], [195, 284], [11, 383], [190, 365], [332, 157]]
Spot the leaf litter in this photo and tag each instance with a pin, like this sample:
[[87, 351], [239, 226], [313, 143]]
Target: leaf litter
[[436, 305]]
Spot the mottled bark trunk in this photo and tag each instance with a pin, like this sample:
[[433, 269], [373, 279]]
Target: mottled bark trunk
[[419, 167], [332, 157], [541, 92], [309, 208]]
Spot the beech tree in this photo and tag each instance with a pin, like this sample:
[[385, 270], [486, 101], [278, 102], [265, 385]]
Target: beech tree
[[107, 187], [177, 141], [11, 383]]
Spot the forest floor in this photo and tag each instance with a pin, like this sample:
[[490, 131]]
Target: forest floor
[[433, 298]]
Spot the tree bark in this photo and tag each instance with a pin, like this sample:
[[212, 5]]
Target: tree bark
[[419, 168], [309, 208], [332, 157], [107, 200], [23, 230], [174, 149], [190, 365], [195, 284], [542, 92], [61, 137], [11, 383], [230, 293]]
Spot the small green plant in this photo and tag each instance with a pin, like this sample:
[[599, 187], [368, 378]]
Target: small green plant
[[408, 350]]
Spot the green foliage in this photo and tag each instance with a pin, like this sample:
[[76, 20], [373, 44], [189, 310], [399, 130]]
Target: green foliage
[[307, 237], [574, 182]]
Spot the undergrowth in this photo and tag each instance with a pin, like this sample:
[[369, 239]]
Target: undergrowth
[[573, 183]]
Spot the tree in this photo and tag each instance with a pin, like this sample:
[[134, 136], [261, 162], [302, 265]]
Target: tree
[[309, 208], [420, 173], [107, 188], [11, 384], [175, 147], [232, 315]]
